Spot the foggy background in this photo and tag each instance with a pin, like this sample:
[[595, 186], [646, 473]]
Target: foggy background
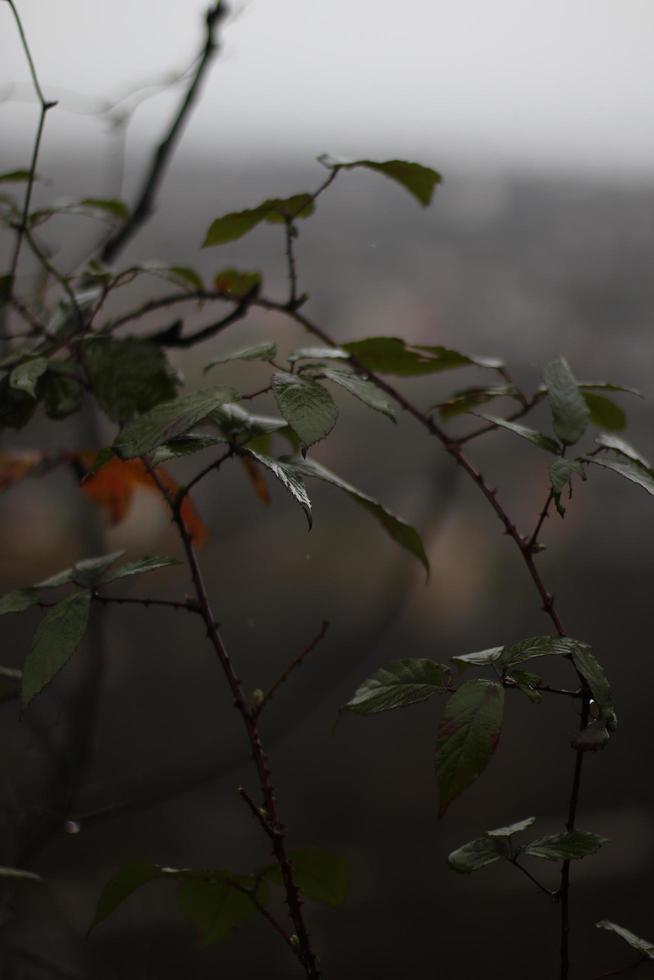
[[539, 242]]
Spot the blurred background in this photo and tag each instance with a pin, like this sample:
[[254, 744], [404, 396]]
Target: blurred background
[[539, 242]]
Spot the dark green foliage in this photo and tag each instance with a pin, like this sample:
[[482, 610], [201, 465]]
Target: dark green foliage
[[400, 683], [129, 377]]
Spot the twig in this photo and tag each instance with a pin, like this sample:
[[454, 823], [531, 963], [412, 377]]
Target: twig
[[187, 606], [531, 877], [215, 465], [52, 270], [491, 427], [541, 520], [290, 234], [296, 662], [622, 969], [162, 155]]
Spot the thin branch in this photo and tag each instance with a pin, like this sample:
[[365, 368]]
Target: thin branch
[[541, 520], [531, 877], [296, 662], [162, 155], [290, 234], [172, 336], [491, 427], [52, 270], [187, 606], [215, 465], [621, 969]]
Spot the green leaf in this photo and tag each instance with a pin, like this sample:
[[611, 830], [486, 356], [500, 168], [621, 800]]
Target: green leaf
[[121, 886], [477, 854], [129, 376], [365, 391], [139, 567], [57, 637], [168, 420], [593, 673], [398, 684], [266, 351], [471, 398], [14, 177], [192, 442], [18, 873], [528, 683], [214, 906], [69, 318], [540, 646], [180, 275], [237, 283], [570, 413], [318, 354], [19, 601], [561, 471], [629, 469], [467, 737], [512, 828], [607, 386], [641, 946], [418, 180], [604, 413], [62, 395], [307, 407], [403, 534], [568, 846], [320, 875], [86, 573], [234, 225], [24, 376], [482, 658], [531, 435], [391, 355], [107, 205], [290, 479], [608, 441]]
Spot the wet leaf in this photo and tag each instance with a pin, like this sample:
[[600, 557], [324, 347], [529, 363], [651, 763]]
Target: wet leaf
[[627, 468], [571, 845], [570, 413], [307, 407], [398, 684], [168, 420], [56, 639]]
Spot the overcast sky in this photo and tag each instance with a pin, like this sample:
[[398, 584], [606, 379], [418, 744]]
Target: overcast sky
[[566, 84]]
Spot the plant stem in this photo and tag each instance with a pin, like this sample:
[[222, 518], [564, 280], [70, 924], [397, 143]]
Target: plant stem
[[531, 877], [296, 662]]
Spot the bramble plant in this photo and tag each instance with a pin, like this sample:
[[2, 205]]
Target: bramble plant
[[61, 348]]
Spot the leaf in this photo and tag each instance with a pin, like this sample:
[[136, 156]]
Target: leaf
[[121, 886], [593, 674], [234, 420], [214, 906], [569, 846], [18, 601], [180, 275], [129, 376], [482, 658], [467, 737], [112, 487], [318, 354], [540, 646], [237, 283], [629, 469], [192, 442], [477, 854], [512, 828], [138, 567], [641, 946], [266, 351], [107, 205], [169, 419], [528, 683], [57, 637], [403, 534], [570, 413], [307, 407], [14, 177], [608, 441], [604, 413], [69, 318], [19, 873], [398, 684], [561, 471], [607, 386], [365, 391], [24, 376], [320, 875], [531, 435], [62, 395], [391, 355], [419, 181], [289, 478], [469, 399], [234, 225]]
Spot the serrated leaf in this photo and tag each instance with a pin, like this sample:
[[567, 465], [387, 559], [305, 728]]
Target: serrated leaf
[[319, 875], [307, 407], [392, 355], [531, 435], [608, 441], [138, 567], [168, 420], [365, 391], [402, 533], [481, 658], [477, 854], [318, 354], [629, 469], [569, 846], [512, 828], [107, 205], [642, 946], [237, 283], [467, 737], [62, 395], [128, 377], [121, 886], [18, 601], [570, 413], [418, 180], [528, 683], [604, 413], [275, 210], [24, 377], [192, 442], [540, 646], [289, 477], [56, 639], [561, 471], [266, 351], [398, 684], [593, 673], [471, 398], [86, 573], [215, 906]]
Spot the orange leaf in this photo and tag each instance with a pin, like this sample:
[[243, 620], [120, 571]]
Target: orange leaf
[[256, 479], [15, 466], [113, 486]]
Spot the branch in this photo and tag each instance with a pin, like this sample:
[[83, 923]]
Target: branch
[[531, 877], [296, 662], [163, 153], [622, 969]]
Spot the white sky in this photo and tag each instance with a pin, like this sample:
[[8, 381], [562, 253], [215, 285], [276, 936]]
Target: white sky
[[565, 84]]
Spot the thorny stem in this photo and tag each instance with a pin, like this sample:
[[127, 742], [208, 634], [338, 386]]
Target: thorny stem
[[274, 827], [162, 155], [296, 662], [290, 234], [531, 877], [187, 606], [541, 520], [621, 969], [215, 465]]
